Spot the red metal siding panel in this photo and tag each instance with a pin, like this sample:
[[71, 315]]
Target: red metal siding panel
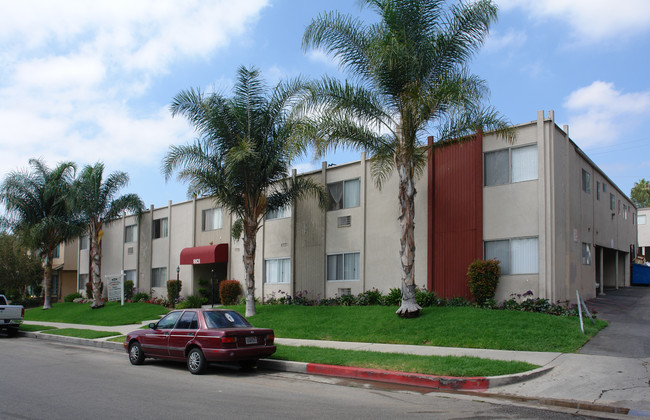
[[455, 211]]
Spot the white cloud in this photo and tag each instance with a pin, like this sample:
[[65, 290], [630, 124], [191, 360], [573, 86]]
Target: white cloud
[[321, 57], [590, 20], [498, 41], [72, 71], [600, 114]]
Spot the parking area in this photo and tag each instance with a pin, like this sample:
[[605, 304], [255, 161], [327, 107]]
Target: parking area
[[628, 312]]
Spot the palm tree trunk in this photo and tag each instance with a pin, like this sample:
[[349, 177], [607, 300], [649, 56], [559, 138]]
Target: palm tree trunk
[[95, 271], [409, 307], [47, 281], [250, 244]]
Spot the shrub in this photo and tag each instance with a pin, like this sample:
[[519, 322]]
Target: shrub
[[194, 301], [128, 290], [370, 297], [457, 301], [141, 297], [229, 292], [426, 298], [72, 296], [173, 290], [483, 277], [393, 298]]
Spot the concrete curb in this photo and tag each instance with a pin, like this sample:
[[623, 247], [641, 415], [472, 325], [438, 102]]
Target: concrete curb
[[112, 345]]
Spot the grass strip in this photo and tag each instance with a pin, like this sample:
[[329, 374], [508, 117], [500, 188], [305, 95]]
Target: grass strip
[[81, 333], [467, 327], [119, 339], [111, 314], [34, 328], [432, 365]]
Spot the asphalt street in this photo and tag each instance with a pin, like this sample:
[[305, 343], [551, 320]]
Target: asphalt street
[[43, 379]]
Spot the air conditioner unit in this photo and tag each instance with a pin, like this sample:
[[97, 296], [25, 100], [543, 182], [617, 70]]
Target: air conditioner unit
[[345, 221]]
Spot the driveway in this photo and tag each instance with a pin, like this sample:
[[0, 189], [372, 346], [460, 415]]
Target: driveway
[[628, 312]]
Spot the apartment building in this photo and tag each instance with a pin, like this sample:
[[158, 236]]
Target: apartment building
[[555, 221]]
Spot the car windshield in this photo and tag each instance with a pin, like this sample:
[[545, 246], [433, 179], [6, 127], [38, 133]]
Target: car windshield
[[225, 319]]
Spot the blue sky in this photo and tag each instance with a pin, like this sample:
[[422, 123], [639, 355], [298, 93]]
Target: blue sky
[[92, 81]]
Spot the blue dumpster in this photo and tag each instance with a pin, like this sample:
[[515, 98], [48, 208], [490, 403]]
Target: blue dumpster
[[640, 274]]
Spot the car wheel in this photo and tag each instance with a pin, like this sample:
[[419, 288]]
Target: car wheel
[[248, 364], [196, 363], [136, 355]]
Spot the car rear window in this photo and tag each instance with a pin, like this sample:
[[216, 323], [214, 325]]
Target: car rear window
[[225, 319]]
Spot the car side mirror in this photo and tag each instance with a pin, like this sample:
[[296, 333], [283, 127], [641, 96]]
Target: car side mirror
[[152, 326]]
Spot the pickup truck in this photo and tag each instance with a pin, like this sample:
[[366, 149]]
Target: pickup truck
[[11, 316]]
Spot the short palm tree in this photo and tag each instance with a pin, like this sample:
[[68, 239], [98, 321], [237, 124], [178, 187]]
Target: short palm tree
[[241, 156], [96, 204], [411, 69], [39, 211]]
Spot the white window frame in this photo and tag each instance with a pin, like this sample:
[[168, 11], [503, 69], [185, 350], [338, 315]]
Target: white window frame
[[131, 275], [509, 267], [84, 242], [159, 274], [346, 200], [586, 181], [586, 254], [162, 229], [641, 219], [343, 258], [511, 171], [130, 233], [81, 284], [281, 213], [212, 222], [277, 270]]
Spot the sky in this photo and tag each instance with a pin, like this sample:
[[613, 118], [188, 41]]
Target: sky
[[92, 81]]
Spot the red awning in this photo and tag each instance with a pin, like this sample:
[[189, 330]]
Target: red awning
[[205, 254]]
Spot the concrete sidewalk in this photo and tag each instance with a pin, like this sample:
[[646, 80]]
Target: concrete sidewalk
[[605, 384]]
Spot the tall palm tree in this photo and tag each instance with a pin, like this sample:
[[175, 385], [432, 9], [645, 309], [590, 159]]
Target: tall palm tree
[[411, 69], [38, 210], [241, 156], [95, 201]]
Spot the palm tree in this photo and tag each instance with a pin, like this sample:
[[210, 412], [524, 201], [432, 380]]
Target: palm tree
[[38, 210], [413, 79], [94, 201], [241, 156]]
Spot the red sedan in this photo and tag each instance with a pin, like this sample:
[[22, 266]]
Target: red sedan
[[201, 336]]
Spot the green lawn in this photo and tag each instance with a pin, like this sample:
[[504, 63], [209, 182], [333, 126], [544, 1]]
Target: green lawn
[[437, 326], [80, 333], [432, 365], [111, 314]]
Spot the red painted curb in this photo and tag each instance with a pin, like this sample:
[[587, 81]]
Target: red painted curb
[[428, 381]]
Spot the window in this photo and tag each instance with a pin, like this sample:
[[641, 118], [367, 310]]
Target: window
[[130, 233], [343, 266], [168, 321], [597, 190], [281, 213], [586, 182], [83, 279], [130, 275], [188, 321], [159, 277], [84, 242], [641, 219], [211, 219], [344, 194], [625, 211], [277, 270], [612, 201], [160, 228], [56, 253], [586, 254], [517, 256], [604, 187], [619, 206], [511, 165]]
